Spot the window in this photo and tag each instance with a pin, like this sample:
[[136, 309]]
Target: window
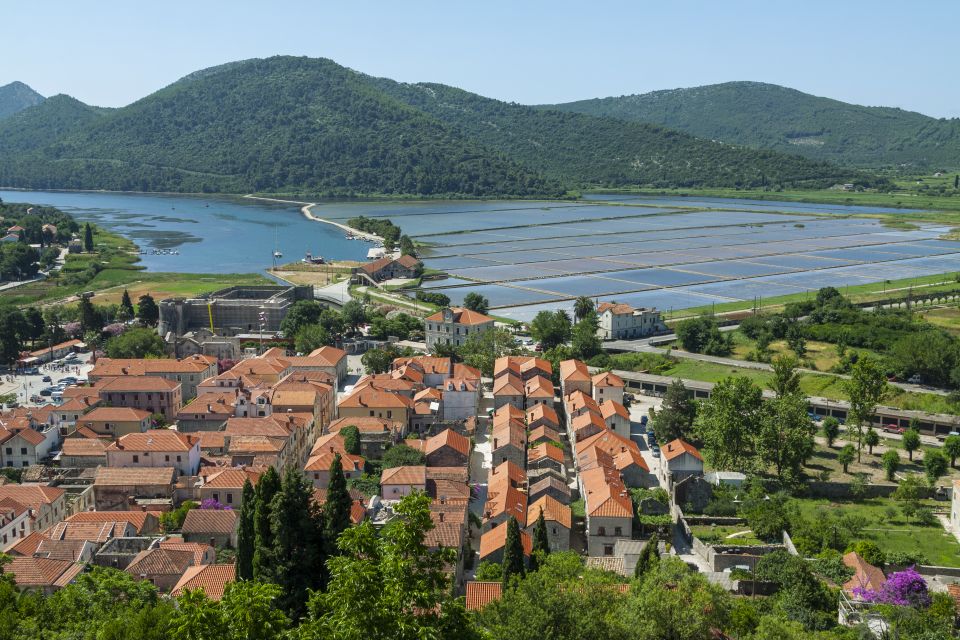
[[9, 451], [602, 531], [608, 549], [136, 458], [166, 458], [229, 498], [371, 413], [389, 415], [216, 496], [617, 531], [178, 458], [24, 464]]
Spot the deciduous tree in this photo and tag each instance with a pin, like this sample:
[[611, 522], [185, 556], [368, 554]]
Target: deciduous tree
[[846, 456], [911, 442], [726, 423], [674, 419], [866, 387], [784, 435]]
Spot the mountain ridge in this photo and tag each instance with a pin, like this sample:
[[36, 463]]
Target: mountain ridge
[[17, 96], [304, 125], [770, 116]]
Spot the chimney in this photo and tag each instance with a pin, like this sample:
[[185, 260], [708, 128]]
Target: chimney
[[212, 542], [495, 444]]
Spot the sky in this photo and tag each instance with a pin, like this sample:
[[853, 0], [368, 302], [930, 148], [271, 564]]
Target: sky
[[883, 52]]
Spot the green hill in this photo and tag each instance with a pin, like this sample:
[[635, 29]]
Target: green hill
[[15, 97], [312, 127], [774, 117], [53, 119], [589, 150]]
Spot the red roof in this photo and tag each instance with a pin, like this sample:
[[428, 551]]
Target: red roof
[[480, 594], [212, 578], [462, 316], [677, 448], [493, 540], [449, 438]]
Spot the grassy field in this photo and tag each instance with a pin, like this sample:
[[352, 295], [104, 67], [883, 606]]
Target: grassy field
[[812, 384], [718, 534], [887, 527], [947, 318]]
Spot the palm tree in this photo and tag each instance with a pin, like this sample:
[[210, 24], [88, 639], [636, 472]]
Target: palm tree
[[582, 306]]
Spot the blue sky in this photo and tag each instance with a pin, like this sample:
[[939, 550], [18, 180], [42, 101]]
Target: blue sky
[[876, 53]]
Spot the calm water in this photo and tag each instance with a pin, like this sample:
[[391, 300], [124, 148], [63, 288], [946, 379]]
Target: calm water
[[213, 235]]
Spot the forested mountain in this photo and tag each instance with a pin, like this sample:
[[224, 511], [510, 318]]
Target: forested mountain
[[773, 117], [583, 149], [310, 126], [281, 124], [15, 97], [53, 119]]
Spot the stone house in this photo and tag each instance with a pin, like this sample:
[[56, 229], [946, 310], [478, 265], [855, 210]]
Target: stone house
[[448, 449]]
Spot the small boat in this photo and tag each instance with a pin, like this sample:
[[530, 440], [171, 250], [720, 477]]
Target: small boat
[[276, 249]]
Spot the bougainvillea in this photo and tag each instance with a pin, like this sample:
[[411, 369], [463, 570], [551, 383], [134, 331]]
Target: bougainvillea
[[210, 503], [903, 588], [115, 329], [72, 329]]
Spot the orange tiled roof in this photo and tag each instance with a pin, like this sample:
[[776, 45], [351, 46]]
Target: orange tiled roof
[[545, 450], [449, 438], [615, 308], [605, 494], [116, 414], [544, 434], [462, 316], [543, 412], [553, 511], [608, 379], [42, 572], [539, 387], [412, 475], [212, 578], [366, 424], [610, 408], [866, 576], [677, 448], [508, 385], [28, 544], [508, 413], [371, 398], [444, 534], [155, 440], [139, 519], [494, 540], [139, 383], [331, 355], [198, 549], [574, 371], [160, 562], [269, 426], [221, 521], [232, 478], [578, 400], [508, 471], [506, 502], [127, 476], [32, 496], [480, 594], [512, 433]]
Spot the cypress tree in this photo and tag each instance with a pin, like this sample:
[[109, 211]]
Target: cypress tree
[[88, 238], [246, 536], [297, 538], [648, 557], [267, 488], [126, 305], [541, 543], [351, 439], [336, 511], [512, 552]]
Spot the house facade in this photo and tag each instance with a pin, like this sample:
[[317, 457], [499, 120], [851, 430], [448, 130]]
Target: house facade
[[454, 326], [623, 322]]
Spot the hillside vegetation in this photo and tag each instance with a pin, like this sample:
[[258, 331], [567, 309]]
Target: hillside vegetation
[[310, 126], [15, 97], [603, 151], [773, 117]]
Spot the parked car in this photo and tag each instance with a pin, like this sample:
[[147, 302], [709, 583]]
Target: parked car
[[892, 428], [46, 392], [651, 440], [915, 379], [47, 379], [36, 398], [655, 451], [643, 421], [814, 417]]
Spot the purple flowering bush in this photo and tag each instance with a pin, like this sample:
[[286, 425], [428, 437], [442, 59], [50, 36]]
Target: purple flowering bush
[[210, 503], [903, 588], [72, 329], [115, 329]]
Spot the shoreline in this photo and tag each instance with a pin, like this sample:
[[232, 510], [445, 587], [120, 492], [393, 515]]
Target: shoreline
[[305, 210]]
